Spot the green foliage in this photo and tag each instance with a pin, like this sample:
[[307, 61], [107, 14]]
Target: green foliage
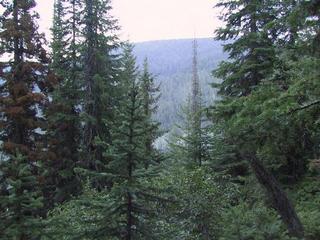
[[307, 197], [190, 144], [82, 217], [21, 200], [251, 52], [131, 152], [196, 199], [99, 122], [270, 106], [100, 74], [125, 198], [150, 95], [63, 131], [257, 222], [25, 83], [266, 121]]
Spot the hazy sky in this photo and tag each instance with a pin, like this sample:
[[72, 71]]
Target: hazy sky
[[143, 20]]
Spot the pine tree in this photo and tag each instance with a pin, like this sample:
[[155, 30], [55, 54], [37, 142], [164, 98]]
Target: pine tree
[[100, 76], [22, 99], [196, 111], [250, 52], [128, 208], [128, 154], [292, 34], [189, 150], [150, 98], [191, 143], [64, 111], [20, 201]]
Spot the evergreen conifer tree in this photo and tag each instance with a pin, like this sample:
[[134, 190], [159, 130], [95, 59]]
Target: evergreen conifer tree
[[100, 77], [23, 98], [251, 51], [128, 206], [191, 143], [128, 154], [64, 112], [243, 79], [189, 149], [151, 96]]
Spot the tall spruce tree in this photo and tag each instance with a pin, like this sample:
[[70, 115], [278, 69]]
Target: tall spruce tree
[[191, 142], [100, 80], [23, 98], [64, 111], [128, 154], [189, 150], [196, 111], [150, 98], [126, 207], [250, 52]]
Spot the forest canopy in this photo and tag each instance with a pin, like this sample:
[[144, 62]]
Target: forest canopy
[[79, 122]]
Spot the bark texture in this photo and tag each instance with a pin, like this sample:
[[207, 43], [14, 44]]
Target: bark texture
[[279, 198]]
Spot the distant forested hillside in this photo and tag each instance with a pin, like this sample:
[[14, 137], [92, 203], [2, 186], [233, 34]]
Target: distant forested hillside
[[171, 62]]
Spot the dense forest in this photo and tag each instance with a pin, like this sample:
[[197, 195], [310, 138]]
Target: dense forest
[[78, 128]]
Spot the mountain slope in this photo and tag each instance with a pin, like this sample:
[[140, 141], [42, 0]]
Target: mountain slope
[[171, 62]]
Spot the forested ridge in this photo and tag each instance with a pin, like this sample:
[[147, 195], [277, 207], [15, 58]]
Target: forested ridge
[[171, 63], [78, 158]]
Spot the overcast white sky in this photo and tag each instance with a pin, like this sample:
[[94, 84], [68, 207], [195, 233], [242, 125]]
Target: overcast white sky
[[143, 20]]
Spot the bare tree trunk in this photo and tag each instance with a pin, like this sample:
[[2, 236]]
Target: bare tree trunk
[[278, 197]]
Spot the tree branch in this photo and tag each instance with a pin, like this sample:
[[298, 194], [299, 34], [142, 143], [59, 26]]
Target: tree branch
[[304, 107]]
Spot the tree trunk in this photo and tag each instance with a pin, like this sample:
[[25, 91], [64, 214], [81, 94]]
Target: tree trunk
[[278, 197]]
